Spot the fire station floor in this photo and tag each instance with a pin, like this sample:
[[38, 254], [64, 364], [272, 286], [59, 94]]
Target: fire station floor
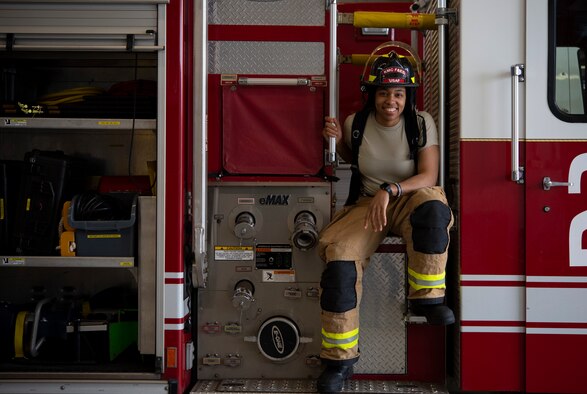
[[246, 386]]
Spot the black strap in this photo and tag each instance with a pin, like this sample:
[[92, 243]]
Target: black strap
[[358, 128]]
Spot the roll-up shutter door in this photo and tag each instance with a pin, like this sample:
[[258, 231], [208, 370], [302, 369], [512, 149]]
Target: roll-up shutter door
[[81, 25]]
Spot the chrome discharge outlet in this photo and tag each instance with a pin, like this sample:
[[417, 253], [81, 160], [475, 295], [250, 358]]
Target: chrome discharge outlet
[[244, 226], [242, 297], [305, 234]]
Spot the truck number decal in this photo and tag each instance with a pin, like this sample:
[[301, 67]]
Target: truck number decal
[[577, 255]]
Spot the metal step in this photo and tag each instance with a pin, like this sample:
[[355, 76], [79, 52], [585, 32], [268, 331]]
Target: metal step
[[274, 386], [30, 386]]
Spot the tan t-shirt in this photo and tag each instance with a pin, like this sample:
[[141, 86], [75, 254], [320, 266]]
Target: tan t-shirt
[[384, 155]]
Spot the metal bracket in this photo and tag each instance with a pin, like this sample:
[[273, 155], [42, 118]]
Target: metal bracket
[[519, 71], [447, 16], [10, 39], [153, 33], [130, 42]]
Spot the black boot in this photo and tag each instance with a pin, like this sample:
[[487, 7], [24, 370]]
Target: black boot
[[436, 314], [332, 378]]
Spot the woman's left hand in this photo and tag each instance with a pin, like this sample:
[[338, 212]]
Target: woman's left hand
[[376, 217]]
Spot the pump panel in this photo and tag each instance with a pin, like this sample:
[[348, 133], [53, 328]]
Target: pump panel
[[261, 308]]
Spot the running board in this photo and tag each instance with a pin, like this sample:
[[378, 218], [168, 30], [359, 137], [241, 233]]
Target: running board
[[274, 386], [16, 386]]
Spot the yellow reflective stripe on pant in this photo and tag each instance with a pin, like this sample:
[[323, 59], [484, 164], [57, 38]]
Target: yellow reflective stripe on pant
[[345, 340], [426, 281]]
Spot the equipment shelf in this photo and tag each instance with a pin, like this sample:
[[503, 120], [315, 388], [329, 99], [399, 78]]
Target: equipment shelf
[[15, 122], [67, 262]]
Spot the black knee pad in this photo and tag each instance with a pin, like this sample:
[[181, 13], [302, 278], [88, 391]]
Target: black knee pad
[[430, 222], [338, 287]]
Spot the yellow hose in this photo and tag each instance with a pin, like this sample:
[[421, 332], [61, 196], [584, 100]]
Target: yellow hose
[[19, 334], [396, 20]]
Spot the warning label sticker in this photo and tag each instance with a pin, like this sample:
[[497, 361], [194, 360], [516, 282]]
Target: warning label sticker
[[15, 122], [12, 261], [279, 276], [236, 253]]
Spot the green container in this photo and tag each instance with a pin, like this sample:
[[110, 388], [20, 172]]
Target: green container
[[121, 335]]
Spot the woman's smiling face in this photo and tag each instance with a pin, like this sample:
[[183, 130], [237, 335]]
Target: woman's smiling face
[[389, 105]]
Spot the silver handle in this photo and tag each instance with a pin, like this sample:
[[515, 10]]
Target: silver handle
[[36, 344], [547, 183], [333, 77], [518, 75], [274, 81]]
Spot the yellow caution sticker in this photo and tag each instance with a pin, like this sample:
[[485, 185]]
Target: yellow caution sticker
[[233, 253], [109, 123]]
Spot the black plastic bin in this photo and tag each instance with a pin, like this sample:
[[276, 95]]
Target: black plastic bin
[[105, 231]]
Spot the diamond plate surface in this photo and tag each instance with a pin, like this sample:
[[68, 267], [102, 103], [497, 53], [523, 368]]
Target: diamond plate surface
[[266, 12], [383, 330], [249, 386], [266, 57]]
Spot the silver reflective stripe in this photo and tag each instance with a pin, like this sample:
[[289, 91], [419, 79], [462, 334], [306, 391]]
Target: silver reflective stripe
[[426, 283], [343, 341]]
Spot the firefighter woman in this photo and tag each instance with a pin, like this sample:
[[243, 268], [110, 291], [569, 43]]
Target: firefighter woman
[[395, 158]]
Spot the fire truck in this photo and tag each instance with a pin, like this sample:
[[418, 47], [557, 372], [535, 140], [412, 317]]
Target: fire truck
[[164, 182]]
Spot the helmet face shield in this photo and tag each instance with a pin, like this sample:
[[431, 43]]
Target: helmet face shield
[[391, 70]]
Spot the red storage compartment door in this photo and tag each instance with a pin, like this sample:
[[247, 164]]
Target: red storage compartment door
[[272, 130]]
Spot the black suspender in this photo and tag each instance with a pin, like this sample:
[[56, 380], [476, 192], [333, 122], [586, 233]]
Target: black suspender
[[358, 128]]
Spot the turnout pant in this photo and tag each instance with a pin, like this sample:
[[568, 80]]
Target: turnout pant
[[423, 219]]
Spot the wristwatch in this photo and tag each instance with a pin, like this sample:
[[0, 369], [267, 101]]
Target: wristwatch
[[385, 186]]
